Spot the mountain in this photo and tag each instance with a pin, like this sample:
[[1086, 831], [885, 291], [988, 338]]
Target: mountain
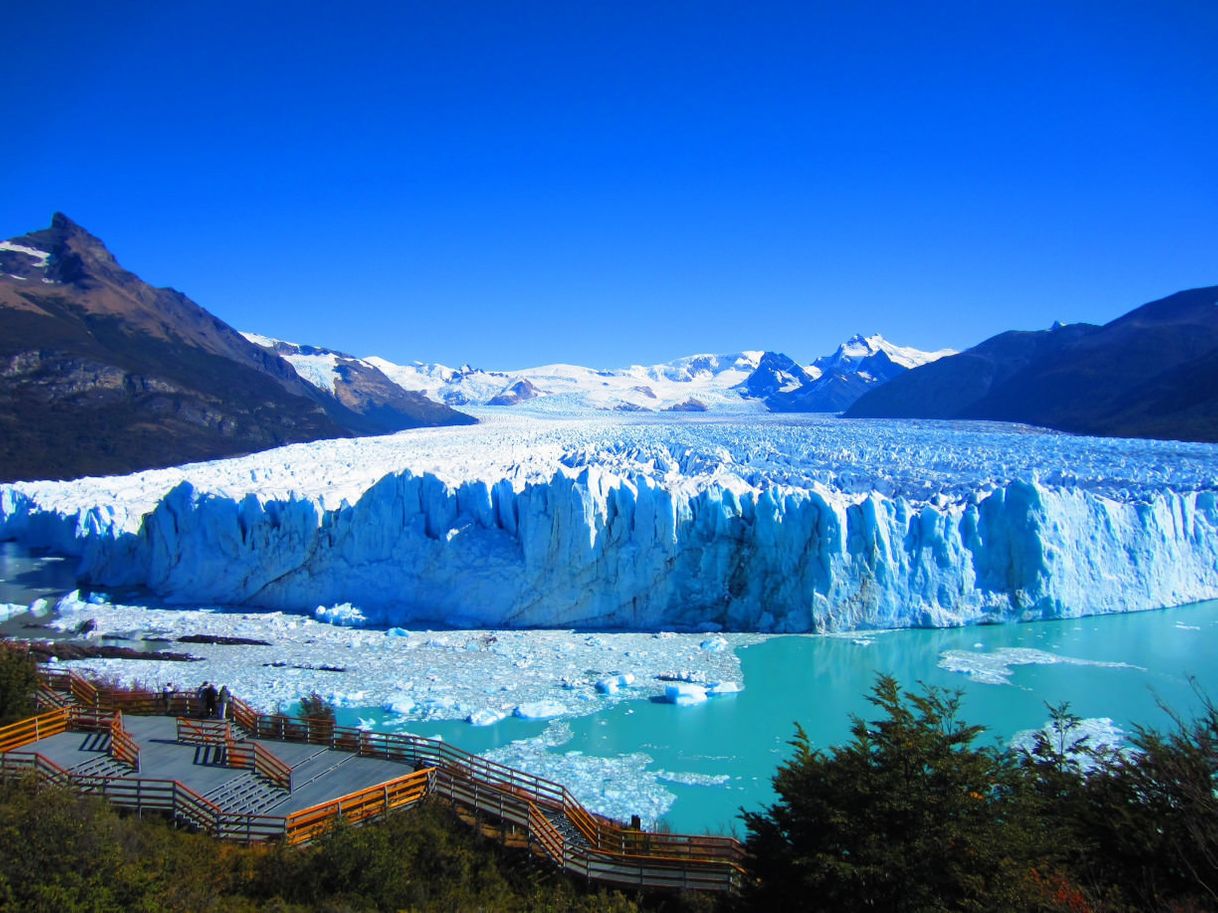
[[103, 373], [859, 364], [741, 381], [381, 405], [1150, 373], [693, 384]]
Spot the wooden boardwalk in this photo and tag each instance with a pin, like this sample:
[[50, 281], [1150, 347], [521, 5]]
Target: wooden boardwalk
[[263, 777]]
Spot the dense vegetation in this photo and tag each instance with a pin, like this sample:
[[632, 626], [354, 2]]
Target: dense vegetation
[[64, 853], [910, 815], [18, 681]]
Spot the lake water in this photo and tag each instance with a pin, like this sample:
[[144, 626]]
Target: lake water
[[1126, 664], [25, 577]]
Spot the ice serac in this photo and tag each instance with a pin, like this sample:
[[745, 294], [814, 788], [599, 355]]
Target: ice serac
[[590, 547]]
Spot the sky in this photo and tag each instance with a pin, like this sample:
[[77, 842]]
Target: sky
[[511, 184]]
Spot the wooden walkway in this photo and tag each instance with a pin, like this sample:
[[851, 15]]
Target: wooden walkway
[[260, 777]]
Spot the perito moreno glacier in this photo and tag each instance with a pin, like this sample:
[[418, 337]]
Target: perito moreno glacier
[[746, 522]]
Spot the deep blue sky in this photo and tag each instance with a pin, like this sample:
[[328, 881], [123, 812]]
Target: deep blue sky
[[516, 183]]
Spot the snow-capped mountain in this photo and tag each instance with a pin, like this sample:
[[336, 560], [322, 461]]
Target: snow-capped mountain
[[695, 383], [860, 364], [749, 380]]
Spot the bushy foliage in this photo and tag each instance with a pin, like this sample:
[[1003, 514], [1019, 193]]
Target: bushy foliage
[[910, 815], [18, 681], [65, 853], [903, 817]]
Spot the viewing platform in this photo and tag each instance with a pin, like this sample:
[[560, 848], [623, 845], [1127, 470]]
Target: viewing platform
[[259, 777]]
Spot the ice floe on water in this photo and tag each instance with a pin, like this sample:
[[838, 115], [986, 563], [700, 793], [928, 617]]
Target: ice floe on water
[[11, 610], [693, 779], [995, 668], [618, 786], [1078, 741], [477, 676]]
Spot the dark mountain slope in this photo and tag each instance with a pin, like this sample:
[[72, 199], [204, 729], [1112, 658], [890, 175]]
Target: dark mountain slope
[[379, 406], [101, 373], [1150, 373]]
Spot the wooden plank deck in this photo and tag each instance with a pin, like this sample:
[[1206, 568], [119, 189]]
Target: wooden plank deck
[[324, 773]]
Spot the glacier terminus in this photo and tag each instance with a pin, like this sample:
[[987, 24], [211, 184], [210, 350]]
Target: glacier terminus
[[758, 522]]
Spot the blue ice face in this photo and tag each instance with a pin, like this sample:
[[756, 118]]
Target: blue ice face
[[775, 523]]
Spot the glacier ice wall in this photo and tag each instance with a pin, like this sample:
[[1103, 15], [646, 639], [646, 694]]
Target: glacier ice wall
[[589, 547]]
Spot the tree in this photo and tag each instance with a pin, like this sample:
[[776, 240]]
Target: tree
[[906, 816], [1150, 815], [18, 683]]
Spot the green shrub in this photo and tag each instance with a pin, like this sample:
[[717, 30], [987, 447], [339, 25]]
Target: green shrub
[[18, 683]]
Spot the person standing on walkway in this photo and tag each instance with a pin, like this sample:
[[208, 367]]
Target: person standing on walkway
[[225, 697], [209, 701]]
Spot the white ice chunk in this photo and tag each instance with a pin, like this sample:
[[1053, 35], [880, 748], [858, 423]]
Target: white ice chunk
[[485, 717], [684, 694], [341, 614], [539, 710], [11, 610], [996, 668]]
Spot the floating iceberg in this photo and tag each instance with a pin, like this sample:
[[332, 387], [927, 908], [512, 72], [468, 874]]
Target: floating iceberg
[[342, 614], [684, 694], [540, 710], [485, 717]]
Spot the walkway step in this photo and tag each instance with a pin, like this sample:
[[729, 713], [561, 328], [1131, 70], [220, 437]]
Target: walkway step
[[571, 834], [103, 766], [246, 794]]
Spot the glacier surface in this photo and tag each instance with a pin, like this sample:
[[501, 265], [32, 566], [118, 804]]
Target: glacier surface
[[701, 522]]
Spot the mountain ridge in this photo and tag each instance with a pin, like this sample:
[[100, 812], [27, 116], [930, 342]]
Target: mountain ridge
[[103, 373], [1151, 372], [751, 379]]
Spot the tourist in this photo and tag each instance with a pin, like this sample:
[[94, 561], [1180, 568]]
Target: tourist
[[225, 697], [166, 697], [209, 700]]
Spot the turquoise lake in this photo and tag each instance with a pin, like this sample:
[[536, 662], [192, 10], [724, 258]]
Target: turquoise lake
[[820, 681]]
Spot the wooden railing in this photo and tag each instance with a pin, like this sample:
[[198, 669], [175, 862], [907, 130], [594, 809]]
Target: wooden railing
[[17, 764], [244, 715], [203, 732], [309, 823], [547, 835], [123, 746], [268, 764], [43, 726], [84, 691], [47, 698]]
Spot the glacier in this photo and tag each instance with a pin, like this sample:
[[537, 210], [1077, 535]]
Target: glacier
[[647, 522]]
